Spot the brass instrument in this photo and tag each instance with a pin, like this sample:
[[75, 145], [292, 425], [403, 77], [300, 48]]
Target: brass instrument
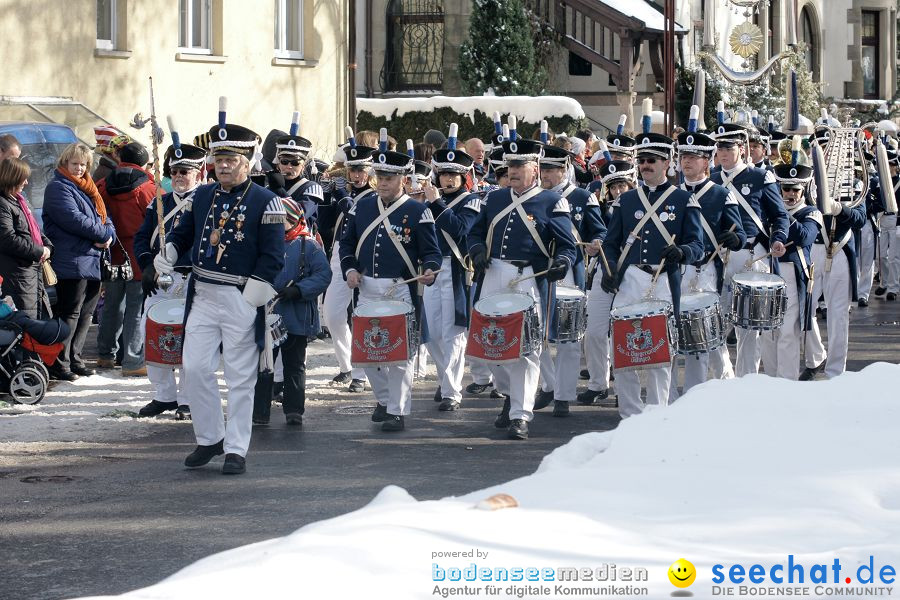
[[844, 152], [882, 166], [785, 153]]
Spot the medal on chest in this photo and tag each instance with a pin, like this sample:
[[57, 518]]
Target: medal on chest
[[745, 190]]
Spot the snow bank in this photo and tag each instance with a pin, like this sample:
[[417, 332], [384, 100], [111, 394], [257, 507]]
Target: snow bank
[[525, 108], [743, 471]]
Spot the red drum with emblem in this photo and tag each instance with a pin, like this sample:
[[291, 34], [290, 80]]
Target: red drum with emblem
[[504, 328], [164, 336], [642, 335], [384, 334]]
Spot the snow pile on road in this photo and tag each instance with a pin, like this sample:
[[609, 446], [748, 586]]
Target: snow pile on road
[[527, 108], [742, 471]]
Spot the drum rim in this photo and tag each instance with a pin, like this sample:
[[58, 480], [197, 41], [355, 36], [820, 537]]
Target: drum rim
[[570, 293], [773, 279], [180, 301], [713, 295], [496, 314], [407, 306], [667, 309]]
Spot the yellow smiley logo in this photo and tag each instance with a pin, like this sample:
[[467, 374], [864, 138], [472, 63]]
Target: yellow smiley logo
[[682, 573]]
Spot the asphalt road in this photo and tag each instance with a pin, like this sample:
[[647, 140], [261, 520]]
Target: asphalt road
[[112, 516]]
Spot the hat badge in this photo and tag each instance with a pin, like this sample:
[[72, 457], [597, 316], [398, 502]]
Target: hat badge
[[721, 129], [223, 135], [793, 172], [353, 152], [612, 168], [382, 158], [513, 147], [451, 156], [645, 141], [617, 142], [690, 140], [178, 153], [292, 142]]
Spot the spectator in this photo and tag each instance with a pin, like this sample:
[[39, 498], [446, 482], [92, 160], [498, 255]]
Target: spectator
[[109, 141], [9, 146], [435, 138], [127, 191], [22, 246], [76, 222], [423, 152], [579, 163]]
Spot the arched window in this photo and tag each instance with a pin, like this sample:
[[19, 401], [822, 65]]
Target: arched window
[[414, 52], [809, 35]]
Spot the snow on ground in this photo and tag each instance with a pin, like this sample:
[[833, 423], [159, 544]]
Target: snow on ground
[[527, 108], [745, 471]]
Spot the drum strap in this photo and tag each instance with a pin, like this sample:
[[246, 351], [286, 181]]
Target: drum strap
[[516, 204], [745, 206], [565, 194], [340, 219], [297, 185], [382, 217], [649, 213], [706, 227], [180, 203], [454, 248]]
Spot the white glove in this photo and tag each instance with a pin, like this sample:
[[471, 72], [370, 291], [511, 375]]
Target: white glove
[[258, 292], [164, 262], [836, 208]]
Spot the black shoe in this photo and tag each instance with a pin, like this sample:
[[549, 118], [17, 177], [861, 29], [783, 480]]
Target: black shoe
[[61, 375], [379, 413], [862, 302], [543, 399], [560, 408], [731, 340], [588, 397], [83, 371], [234, 464], [341, 378], [497, 395], [392, 423], [357, 386], [477, 388], [518, 430], [891, 296], [324, 334], [203, 454], [294, 419], [437, 395], [808, 374], [880, 291], [584, 374], [183, 412], [155, 407], [449, 404], [260, 420], [502, 420]]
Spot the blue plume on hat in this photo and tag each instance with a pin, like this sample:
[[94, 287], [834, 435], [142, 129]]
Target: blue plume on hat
[[793, 103], [693, 119], [771, 123], [295, 123], [796, 148], [382, 140], [512, 128], [545, 137], [498, 126], [410, 149], [647, 119], [173, 130], [223, 104], [621, 127], [720, 112], [754, 116], [351, 139], [451, 139]]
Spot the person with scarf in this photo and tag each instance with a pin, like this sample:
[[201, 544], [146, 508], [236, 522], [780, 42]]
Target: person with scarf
[[22, 246], [76, 222]]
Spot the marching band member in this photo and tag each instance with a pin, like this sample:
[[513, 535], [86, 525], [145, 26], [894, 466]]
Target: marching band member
[[511, 238], [642, 235], [758, 148], [617, 177], [720, 219], [889, 241], [621, 147], [559, 378], [446, 302], [385, 239], [781, 347], [868, 237], [764, 219], [183, 163], [234, 233], [338, 297], [288, 180]]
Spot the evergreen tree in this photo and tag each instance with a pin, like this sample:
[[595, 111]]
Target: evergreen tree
[[499, 53]]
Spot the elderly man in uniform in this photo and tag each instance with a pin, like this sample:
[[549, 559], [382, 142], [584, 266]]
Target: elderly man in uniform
[[184, 164], [765, 224], [387, 237], [520, 231], [655, 225], [234, 233]]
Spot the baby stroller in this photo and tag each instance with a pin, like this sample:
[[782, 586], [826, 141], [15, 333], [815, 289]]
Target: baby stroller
[[27, 346]]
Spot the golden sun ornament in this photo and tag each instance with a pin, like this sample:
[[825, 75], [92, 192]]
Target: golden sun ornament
[[746, 39]]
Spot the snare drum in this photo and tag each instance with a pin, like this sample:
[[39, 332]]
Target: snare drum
[[504, 328], [701, 325], [164, 336], [384, 334], [758, 301], [571, 314], [277, 331], [642, 335]]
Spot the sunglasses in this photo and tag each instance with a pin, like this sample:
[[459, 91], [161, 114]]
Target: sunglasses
[[647, 161], [286, 162], [181, 171]]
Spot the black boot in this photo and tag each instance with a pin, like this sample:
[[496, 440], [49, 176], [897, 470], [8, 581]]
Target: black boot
[[437, 395], [543, 399], [203, 454], [379, 413], [502, 421], [518, 430], [234, 464], [448, 404], [392, 423], [155, 407], [560, 408], [589, 397], [183, 412]]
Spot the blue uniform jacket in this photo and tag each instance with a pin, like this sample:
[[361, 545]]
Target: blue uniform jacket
[[760, 189], [304, 264], [455, 215], [850, 220], [333, 214], [309, 196], [146, 240], [803, 229], [587, 224], [721, 210], [73, 227], [680, 216]]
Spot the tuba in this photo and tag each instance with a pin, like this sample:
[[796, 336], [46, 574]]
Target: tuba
[[843, 154]]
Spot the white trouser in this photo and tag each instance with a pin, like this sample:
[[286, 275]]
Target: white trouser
[[628, 383], [781, 347], [220, 315], [518, 379], [481, 373], [747, 360], [337, 298], [596, 337], [447, 344], [866, 260], [696, 366], [392, 384], [889, 253], [166, 388], [834, 284], [560, 376]]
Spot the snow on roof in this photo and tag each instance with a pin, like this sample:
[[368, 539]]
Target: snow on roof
[[640, 10], [740, 471], [527, 108]]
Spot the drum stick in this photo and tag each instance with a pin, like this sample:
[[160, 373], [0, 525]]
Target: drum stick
[[410, 280], [659, 268], [768, 254], [719, 246], [517, 280]]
